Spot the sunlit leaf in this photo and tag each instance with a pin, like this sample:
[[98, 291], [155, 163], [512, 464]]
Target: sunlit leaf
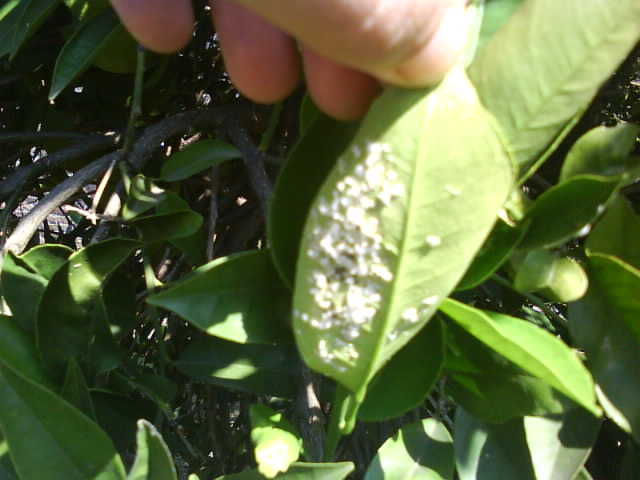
[[298, 182], [546, 63], [81, 49], [153, 458], [197, 157], [48, 438], [262, 369], [617, 233], [566, 210], [143, 195], [239, 298], [46, 259], [420, 451], [400, 386], [601, 151], [531, 348], [395, 226], [64, 312]]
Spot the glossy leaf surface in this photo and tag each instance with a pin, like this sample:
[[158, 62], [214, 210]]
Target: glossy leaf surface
[[18, 351], [601, 151], [82, 48], [420, 451], [262, 369], [395, 226], [64, 313], [535, 100], [239, 298], [565, 210], [50, 439], [197, 157], [531, 348], [298, 182], [401, 386], [153, 458]]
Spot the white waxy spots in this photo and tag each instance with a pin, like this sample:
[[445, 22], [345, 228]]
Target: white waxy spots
[[453, 191], [353, 262], [410, 315], [429, 301], [433, 241]]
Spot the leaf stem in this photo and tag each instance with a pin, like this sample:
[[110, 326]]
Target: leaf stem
[[136, 100]]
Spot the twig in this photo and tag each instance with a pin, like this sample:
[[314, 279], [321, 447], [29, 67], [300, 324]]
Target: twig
[[89, 144], [213, 213], [310, 418], [36, 137]]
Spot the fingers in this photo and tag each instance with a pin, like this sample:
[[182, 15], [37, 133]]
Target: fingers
[[262, 61], [409, 43], [339, 91], [161, 25]]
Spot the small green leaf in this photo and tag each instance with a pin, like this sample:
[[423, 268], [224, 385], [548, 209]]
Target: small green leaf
[[400, 386], [64, 312], [420, 451], [81, 49], [560, 444], [75, 390], [531, 348], [601, 151], [489, 386], [617, 233], [566, 210], [395, 226], [32, 15], [276, 444], [50, 439], [263, 369], [301, 471], [492, 255], [197, 157], [536, 89], [143, 195], [491, 452], [46, 259], [167, 226], [153, 458], [298, 182], [239, 298]]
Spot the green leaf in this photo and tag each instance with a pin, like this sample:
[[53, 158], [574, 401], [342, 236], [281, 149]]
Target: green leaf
[[104, 354], [75, 390], [46, 259], [262, 369], [400, 386], [309, 111], [531, 348], [298, 182], [8, 25], [153, 459], [560, 444], [167, 226], [81, 49], [604, 324], [566, 210], [617, 233], [601, 151], [33, 14], [143, 195], [535, 88], [491, 452], [197, 157], [492, 255], [239, 298], [64, 312], [420, 451], [193, 245], [18, 351], [496, 13], [395, 226], [301, 471], [50, 439], [21, 289], [489, 386], [276, 444]]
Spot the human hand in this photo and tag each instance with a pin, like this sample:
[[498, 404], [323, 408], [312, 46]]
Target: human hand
[[347, 47]]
